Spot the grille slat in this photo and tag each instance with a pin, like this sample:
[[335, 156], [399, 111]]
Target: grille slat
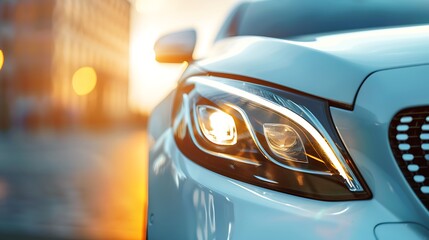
[[409, 140]]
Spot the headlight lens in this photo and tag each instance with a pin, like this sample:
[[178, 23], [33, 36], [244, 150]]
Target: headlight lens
[[285, 142], [216, 125], [264, 136]]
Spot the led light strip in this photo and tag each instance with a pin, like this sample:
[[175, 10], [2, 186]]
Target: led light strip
[[333, 153]]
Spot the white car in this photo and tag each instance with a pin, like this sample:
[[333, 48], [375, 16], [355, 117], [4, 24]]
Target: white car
[[308, 120]]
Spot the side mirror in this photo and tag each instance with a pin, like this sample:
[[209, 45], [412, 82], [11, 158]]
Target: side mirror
[[176, 47]]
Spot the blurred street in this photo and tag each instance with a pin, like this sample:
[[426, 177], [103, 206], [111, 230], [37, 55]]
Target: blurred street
[[71, 65], [73, 184]]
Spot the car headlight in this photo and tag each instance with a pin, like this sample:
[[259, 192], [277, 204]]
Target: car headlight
[[264, 136]]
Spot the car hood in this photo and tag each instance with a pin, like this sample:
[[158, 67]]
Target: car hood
[[331, 66]]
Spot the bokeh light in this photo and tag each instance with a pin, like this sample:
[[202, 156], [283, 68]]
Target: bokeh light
[[1, 59], [84, 80]]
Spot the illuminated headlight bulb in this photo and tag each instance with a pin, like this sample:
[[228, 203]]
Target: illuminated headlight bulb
[[216, 125], [285, 142]]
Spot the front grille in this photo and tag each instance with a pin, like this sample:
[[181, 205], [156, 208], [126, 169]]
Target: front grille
[[409, 140]]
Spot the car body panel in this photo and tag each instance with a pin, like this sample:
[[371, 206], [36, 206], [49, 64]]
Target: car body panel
[[191, 202], [322, 66]]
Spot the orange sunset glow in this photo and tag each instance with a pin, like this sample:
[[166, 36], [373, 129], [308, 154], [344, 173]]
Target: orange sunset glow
[[214, 119], [151, 81]]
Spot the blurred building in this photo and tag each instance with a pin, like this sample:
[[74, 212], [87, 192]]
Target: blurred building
[[45, 44]]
